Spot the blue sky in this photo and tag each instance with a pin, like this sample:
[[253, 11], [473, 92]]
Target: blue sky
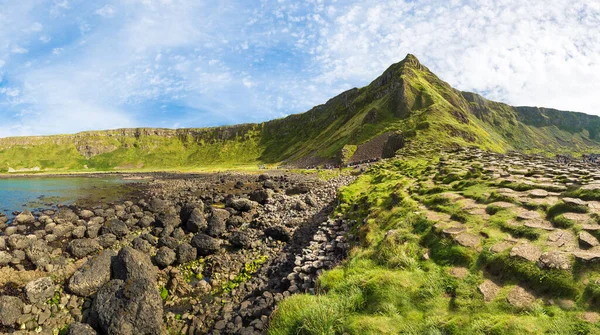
[[73, 65]]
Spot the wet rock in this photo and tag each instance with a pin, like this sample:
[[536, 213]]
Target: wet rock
[[83, 247], [115, 227], [186, 253], [129, 307], [78, 328], [92, 275], [196, 221], [39, 290], [10, 310], [205, 245], [279, 233], [587, 240], [217, 222], [165, 256], [63, 229]]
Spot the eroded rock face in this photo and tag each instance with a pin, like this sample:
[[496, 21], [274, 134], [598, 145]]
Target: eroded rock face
[[92, 275], [129, 307]]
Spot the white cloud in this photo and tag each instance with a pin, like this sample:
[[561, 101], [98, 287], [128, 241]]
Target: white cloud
[[106, 11], [57, 51], [36, 26], [18, 50], [2, 63]]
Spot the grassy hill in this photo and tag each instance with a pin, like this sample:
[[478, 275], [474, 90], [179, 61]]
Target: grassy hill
[[407, 98]]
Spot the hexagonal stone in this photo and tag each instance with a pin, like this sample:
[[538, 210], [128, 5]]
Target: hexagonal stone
[[501, 246], [528, 215], [520, 297], [454, 230], [587, 240], [489, 289], [467, 240], [577, 218], [555, 260], [526, 251], [591, 255], [538, 193], [574, 202]]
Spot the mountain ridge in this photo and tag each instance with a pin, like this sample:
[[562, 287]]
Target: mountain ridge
[[407, 98]]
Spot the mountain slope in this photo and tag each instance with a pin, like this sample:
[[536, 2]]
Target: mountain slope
[[406, 98]]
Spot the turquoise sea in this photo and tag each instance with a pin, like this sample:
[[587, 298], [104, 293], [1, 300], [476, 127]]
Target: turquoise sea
[[17, 194]]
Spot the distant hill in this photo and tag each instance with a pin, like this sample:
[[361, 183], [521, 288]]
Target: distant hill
[[406, 103]]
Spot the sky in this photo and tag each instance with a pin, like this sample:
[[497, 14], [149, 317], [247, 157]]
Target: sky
[[75, 65]]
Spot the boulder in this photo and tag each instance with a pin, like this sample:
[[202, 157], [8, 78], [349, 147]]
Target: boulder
[[131, 264], [205, 245], [78, 328], [279, 233], [5, 258], [242, 205], [19, 242], [261, 196], [164, 257], [196, 222], [39, 290], [83, 247], [168, 220], [187, 209], [115, 227], [129, 307], [92, 275], [240, 239], [142, 245], [217, 222], [67, 215], [107, 240], [25, 217], [10, 310], [168, 241], [186, 253], [86, 214], [37, 253], [520, 297]]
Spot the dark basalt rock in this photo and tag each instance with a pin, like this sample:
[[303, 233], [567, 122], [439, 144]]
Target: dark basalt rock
[[186, 253], [77, 328], [165, 256], [129, 307], [205, 244], [92, 275], [83, 247], [131, 264], [115, 227], [10, 310]]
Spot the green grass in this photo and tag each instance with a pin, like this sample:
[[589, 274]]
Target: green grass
[[388, 286]]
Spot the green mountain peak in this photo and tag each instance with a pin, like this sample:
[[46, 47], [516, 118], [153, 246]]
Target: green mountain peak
[[407, 103]]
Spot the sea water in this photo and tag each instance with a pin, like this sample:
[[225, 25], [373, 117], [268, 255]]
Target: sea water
[[17, 194]]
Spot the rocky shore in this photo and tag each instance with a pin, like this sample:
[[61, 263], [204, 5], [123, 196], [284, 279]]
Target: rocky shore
[[186, 255]]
